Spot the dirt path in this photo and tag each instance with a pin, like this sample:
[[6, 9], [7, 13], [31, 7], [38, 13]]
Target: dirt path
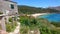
[[16, 31]]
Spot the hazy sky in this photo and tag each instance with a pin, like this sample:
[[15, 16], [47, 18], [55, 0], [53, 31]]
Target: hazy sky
[[38, 3]]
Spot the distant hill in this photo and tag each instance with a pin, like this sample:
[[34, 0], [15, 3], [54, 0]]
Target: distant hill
[[31, 10], [57, 8]]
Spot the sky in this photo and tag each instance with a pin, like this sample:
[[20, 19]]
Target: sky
[[38, 3]]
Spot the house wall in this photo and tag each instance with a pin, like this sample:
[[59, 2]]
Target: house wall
[[5, 7], [2, 23], [1, 5]]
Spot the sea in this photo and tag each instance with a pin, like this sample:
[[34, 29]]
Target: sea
[[55, 17]]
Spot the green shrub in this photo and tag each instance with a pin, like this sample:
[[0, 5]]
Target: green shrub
[[42, 24], [10, 27], [0, 27], [57, 24], [1, 12], [10, 20], [24, 30]]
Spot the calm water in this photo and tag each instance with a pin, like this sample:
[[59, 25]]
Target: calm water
[[52, 17]]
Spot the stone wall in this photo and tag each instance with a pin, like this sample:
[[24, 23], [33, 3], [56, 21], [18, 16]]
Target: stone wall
[[5, 6]]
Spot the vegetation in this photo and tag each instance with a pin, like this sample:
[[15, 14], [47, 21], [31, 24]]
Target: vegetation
[[35, 24], [10, 20], [31, 10], [0, 27], [11, 25], [57, 24], [1, 12]]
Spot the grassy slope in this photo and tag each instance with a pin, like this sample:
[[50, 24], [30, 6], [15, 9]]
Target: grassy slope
[[44, 25]]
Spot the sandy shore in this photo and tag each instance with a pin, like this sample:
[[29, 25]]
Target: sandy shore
[[38, 14]]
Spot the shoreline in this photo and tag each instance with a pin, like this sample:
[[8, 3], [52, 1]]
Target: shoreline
[[38, 14]]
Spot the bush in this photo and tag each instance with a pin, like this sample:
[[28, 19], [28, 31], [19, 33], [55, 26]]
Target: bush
[[0, 27], [42, 24], [10, 20], [24, 30], [1, 12], [10, 27], [57, 24]]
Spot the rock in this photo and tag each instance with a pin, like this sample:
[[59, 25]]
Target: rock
[[3, 32]]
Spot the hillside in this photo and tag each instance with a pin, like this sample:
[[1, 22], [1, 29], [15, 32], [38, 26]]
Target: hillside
[[31, 10], [28, 9], [57, 8], [29, 23]]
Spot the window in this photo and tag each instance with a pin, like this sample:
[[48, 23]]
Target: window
[[12, 6]]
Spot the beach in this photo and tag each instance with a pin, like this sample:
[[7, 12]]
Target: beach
[[38, 14]]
